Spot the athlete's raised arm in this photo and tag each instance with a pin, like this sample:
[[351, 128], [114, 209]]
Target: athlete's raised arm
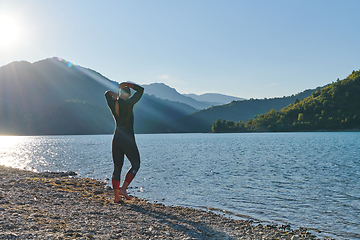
[[139, 91]]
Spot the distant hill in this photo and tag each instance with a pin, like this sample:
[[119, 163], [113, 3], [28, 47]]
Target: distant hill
[[214, 98], [31, 87], [335, 107], [199, 102], [163, 91], [153, 115], [201, 121], [53, 96]]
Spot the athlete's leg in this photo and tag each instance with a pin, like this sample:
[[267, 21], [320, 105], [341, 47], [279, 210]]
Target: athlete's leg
[[132, 153], [118, 159]]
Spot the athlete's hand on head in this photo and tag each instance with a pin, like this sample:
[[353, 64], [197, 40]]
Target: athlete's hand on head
[[115, 96], [122, 85]]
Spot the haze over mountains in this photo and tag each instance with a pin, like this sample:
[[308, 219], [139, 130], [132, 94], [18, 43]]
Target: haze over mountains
[[52, 96], [199, 102], [217, 98]]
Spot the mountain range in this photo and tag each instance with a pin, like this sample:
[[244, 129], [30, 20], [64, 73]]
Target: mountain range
[[53, 96], [201, 121], [199, 102], [217, 98]]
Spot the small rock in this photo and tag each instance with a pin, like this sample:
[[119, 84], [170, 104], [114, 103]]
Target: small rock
[[69, 173], [62, 174], [90, 235], [34, 228], [33, 215], [295, 237], [11, 236], [287, 226]]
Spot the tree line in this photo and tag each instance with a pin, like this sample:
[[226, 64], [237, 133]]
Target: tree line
[[335, 107]]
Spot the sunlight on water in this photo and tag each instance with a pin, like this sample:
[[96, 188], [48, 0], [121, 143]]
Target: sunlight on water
[[8, 141], [7, 144], [14, 152], [87, 155]]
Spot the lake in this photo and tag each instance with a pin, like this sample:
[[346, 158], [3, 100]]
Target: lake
[[305, 179]]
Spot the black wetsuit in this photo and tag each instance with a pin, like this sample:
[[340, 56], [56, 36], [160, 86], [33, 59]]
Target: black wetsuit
[[124, 139]]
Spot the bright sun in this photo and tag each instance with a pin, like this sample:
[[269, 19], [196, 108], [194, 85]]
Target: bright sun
[[9, 31]]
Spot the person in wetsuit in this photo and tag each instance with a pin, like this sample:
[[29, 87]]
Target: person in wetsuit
[[123, 143]]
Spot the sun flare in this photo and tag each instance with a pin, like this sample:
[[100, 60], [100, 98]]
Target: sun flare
[[9, 31]]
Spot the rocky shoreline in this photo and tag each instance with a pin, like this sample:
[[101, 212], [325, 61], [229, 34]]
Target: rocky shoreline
[[60, 206]]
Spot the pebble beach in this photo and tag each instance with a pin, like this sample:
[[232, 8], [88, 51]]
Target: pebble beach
[[63, 206]]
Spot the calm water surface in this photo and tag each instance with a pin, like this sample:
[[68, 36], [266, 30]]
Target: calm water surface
[[305, 179]]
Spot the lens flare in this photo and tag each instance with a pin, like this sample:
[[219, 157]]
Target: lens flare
[[69, 64]]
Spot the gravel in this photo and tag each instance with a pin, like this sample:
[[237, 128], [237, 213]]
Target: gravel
[[62, 206]]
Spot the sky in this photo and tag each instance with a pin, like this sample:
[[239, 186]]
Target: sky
[[248, 49]]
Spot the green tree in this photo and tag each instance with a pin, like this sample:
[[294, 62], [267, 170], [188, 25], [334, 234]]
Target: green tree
[[300, 117]]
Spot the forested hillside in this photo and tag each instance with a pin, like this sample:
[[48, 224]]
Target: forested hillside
[[335, 107], [201, 121]]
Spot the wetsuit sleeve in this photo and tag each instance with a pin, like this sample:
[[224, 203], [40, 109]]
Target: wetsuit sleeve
[[139, 92], [110, 100]]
